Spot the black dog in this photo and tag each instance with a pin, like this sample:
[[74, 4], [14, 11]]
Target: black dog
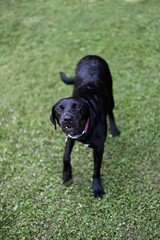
[[82, 117]]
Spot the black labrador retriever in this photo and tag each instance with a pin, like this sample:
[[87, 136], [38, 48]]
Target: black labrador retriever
[[82, 117]]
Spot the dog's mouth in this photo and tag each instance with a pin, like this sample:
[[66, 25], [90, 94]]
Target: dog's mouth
[[69, 130], [73, 130]]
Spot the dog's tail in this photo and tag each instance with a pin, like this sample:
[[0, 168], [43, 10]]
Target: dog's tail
[[67, 80]]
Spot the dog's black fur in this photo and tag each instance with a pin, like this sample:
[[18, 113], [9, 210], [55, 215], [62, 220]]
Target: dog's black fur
[[83, 116]]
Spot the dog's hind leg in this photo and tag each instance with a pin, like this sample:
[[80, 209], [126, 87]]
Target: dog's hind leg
[[113, 128], [67, 168]]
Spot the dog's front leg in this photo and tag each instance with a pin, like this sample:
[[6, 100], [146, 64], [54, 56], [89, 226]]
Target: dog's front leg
[[67, 168], [98, 190]]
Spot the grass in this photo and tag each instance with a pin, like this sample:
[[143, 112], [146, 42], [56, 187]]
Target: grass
[[39, 39]]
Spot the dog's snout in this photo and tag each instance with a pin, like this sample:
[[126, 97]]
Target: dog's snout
[[68, 119]]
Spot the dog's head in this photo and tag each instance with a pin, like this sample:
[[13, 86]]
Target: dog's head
[[71, 115]]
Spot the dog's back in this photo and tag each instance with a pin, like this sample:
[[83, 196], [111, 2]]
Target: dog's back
[[93, 68]]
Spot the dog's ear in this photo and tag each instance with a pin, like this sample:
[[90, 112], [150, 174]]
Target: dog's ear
[[86, 108], [91, 114], [53, 118]]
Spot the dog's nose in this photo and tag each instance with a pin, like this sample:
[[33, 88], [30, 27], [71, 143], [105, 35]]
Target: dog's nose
[[68, 119]]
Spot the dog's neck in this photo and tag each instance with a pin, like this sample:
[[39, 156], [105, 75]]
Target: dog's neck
[[80, 135]]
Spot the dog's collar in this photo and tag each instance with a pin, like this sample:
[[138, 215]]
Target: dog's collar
[[80, 135]]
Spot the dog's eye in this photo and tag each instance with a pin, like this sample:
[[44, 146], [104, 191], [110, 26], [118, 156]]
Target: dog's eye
[[60, 108], [75, 106]]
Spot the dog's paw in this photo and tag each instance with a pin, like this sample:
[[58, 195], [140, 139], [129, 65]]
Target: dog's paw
[[67, 176], [98, 191], [115, 132]]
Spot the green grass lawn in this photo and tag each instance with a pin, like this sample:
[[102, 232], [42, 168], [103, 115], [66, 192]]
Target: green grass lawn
[[37, 40]]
